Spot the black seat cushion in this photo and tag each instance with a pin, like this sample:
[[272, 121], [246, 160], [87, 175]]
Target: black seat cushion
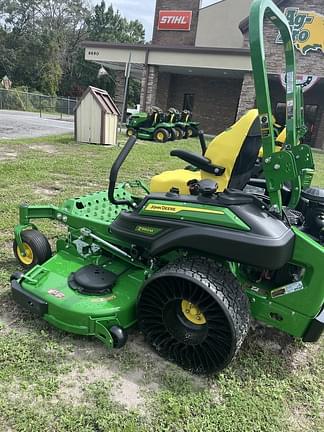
[[245, 162]]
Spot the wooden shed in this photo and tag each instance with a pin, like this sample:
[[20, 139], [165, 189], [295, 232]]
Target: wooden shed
[[96, 118]]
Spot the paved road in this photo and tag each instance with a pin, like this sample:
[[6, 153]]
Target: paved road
[[17, 124]]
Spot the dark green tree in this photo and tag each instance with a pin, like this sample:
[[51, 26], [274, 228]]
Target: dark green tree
[[40, 43]]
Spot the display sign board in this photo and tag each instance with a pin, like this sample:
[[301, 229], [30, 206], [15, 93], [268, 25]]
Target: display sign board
[[175, 20], [306, 81], [307, 30]]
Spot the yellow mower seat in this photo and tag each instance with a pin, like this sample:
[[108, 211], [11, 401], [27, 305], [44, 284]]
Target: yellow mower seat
[[177, 178], [225, 150]]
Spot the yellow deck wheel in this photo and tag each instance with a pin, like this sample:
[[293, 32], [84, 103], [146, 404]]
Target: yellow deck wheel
[[28, 258], [192, 313]]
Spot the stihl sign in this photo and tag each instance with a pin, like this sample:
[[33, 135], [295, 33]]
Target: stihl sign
[[175, 20]]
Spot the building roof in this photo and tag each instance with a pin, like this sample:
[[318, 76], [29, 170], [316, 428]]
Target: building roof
[[244, 24], [103, 99], [170, 48]]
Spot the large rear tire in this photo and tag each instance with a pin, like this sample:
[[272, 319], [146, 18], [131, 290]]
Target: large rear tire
[[192, 132], [194, 313], [161, 135], [180, 133]]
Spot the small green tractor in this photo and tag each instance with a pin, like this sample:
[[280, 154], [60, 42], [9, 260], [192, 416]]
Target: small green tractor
[[192, 128], [151, 126], [193, 258], [182, 122]]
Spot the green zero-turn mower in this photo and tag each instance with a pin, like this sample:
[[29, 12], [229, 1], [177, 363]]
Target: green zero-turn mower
[[189, 269], [151, 126]]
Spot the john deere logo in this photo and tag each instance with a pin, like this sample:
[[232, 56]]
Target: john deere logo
[[307, 30], [147, 230]]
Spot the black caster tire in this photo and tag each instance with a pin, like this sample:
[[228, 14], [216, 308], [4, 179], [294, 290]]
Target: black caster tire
[[38, 249], [161, 135], [194, 313], [179, 132], [119, 336]]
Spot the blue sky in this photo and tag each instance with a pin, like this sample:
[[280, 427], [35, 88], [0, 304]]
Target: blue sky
[[143, 10]]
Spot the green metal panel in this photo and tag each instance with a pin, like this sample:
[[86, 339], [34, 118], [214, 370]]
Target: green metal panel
[[268, 311], [85, 314], [191, 212], [298, 306]]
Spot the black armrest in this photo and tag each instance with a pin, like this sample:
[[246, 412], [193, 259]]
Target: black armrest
[[198, 161]]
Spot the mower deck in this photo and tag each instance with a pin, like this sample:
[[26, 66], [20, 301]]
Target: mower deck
[[46, 291]]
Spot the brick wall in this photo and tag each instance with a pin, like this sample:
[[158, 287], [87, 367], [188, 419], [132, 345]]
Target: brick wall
[[247, 98], [148, 91], [171, 37], [163, 86], [215, 99], [119, 89]]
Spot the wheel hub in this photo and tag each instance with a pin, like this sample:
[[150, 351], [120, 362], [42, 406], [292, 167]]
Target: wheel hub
[[28, 257], [192, 313], [160, 136]]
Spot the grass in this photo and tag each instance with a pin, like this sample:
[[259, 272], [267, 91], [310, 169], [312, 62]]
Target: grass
[[52, 381]]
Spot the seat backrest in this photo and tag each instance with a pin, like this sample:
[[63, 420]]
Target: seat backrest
[[236, 149]]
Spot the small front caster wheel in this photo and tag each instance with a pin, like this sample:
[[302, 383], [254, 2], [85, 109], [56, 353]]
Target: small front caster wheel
[[37, 249]]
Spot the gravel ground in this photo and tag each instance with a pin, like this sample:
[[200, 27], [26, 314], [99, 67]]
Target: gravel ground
[[18, 124]]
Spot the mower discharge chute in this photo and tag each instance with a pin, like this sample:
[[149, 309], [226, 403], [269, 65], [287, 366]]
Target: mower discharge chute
[[191, 267], [151, 126]]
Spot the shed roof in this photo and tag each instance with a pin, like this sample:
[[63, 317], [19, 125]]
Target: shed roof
[[103, 99]]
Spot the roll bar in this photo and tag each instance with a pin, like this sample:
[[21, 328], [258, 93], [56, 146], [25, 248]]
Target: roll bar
[[115, 169], [202, 142], [295, 162]]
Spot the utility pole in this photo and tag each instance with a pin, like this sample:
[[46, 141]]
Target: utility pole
[[127, 75]]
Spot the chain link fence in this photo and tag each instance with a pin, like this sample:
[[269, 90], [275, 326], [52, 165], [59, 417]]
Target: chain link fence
[[34, 102]]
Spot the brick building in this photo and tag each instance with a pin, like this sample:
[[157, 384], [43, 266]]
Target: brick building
[[199, 59]]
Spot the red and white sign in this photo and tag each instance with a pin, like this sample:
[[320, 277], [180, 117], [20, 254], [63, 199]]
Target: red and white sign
[[175, 20], [306, 81]]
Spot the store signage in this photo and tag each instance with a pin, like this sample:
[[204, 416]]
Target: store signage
[[306, 81], [175, 20], [307, 30]]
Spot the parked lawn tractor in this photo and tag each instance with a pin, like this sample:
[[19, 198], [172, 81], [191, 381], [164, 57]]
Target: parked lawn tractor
[[192, 126], [151, 126], [190, 264], [174, 116]]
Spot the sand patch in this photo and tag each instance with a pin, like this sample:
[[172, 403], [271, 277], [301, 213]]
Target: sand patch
[[46, 148], [49, 191], [7, 155], [298, 420], [125, 390]]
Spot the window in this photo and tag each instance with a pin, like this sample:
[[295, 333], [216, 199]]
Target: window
[[188, 101]]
